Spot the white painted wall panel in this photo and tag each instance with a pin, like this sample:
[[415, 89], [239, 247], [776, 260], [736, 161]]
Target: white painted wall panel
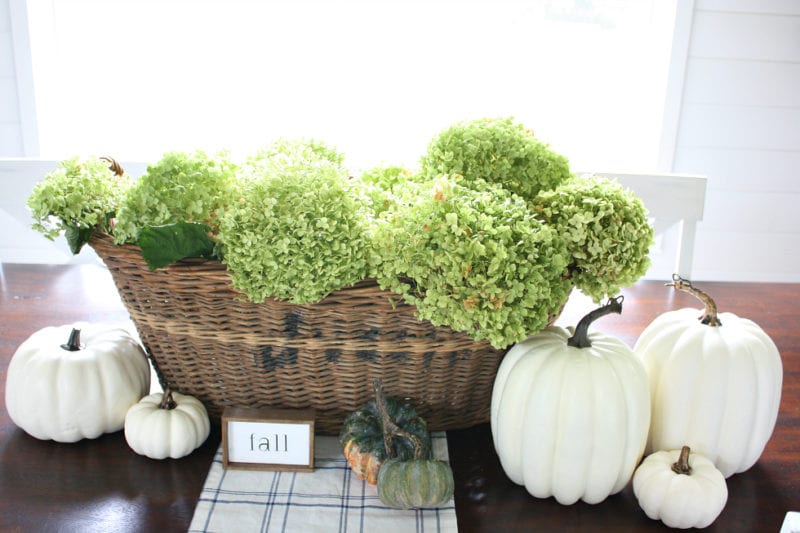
[[744, 170], [9, 111], [736, 256], [10, 140], [774, 7], [5, 16], [6, 55], [10, 127], [745, 36], [740, 126], [725, 126], [748, 212], [737, 82]]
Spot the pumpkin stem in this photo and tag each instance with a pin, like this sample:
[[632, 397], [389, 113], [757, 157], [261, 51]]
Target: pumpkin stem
[[681, 466], [167, 401], [113, 165], [709, 316], [390, 428], [73, 344], [580, 339]]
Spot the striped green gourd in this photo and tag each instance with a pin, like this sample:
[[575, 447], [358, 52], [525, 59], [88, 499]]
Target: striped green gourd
[[415, 483]]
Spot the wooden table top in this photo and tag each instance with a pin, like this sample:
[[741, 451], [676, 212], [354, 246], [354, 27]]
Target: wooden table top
[[101, 485]]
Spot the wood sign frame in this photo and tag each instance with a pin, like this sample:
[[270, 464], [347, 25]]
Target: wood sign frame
[[268, 439]]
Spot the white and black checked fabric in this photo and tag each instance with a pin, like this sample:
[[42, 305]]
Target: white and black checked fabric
[[331, 499]]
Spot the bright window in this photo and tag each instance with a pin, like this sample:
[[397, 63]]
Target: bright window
[[377, 79]]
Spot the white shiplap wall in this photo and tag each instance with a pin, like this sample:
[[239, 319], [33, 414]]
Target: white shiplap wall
[[10, 126], [17, 109], [740, 126]]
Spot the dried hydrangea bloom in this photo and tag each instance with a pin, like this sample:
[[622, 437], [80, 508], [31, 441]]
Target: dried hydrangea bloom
[[606, 230]]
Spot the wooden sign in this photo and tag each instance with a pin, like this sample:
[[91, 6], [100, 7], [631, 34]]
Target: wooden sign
[[268, 439]]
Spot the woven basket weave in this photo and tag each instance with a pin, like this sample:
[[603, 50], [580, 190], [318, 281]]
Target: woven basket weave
[[208, 341]]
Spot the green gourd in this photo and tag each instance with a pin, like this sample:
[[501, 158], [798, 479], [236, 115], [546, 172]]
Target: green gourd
[[410, 483], [415, 483], [362, 436]]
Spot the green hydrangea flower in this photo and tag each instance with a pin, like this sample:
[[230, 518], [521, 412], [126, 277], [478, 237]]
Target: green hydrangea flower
[[474, 259], [181, 187], [75, 197], [382, 185], [291, 155], [298, 232], [497, 151], [606, 230]]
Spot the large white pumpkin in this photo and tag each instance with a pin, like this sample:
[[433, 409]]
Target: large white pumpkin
[[67, 387], [569, 421], [715, 381]]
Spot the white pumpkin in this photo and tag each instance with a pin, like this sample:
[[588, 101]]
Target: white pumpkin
[[571, 421], [168, 424], [680, 488], [715, 383], [75, 381]]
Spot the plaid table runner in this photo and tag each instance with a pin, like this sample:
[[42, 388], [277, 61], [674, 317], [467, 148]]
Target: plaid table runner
[[331, 498]]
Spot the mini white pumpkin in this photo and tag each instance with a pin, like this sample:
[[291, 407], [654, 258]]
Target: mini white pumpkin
[[570, 413], [75, 381], [168, 424], [715, 383], [680, 488]]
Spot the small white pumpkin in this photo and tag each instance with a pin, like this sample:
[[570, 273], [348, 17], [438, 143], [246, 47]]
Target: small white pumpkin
[[715, 383], [168, 424], [570, 413], [680, 488], [76, 381]]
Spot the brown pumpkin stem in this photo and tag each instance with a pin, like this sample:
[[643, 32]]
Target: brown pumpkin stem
[[580, 339], [681, 466], [709, 316], [73, 344], [115, 167], [390, 428], [167, 401]]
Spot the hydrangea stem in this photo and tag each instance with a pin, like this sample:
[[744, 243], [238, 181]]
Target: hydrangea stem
[[581, 337], [709, 316]]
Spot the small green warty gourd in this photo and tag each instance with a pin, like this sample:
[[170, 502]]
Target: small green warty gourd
[[415, 483], [362, 437], [419, 482]]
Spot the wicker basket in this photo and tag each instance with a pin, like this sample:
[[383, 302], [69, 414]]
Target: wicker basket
[[208, 341]]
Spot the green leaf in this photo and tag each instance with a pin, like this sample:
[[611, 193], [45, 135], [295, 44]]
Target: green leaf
[[77, 237], [164, 245]]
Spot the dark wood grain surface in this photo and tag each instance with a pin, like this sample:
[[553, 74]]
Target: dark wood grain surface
[[101, 485]]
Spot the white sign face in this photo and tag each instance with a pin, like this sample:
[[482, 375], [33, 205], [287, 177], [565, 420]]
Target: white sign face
[[277, 443]]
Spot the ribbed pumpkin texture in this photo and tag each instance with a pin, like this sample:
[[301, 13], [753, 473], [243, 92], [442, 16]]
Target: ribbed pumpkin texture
[[715, 380], [416, 483], [567, 421]]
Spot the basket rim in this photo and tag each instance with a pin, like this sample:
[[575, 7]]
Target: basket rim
[[206, 265]]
